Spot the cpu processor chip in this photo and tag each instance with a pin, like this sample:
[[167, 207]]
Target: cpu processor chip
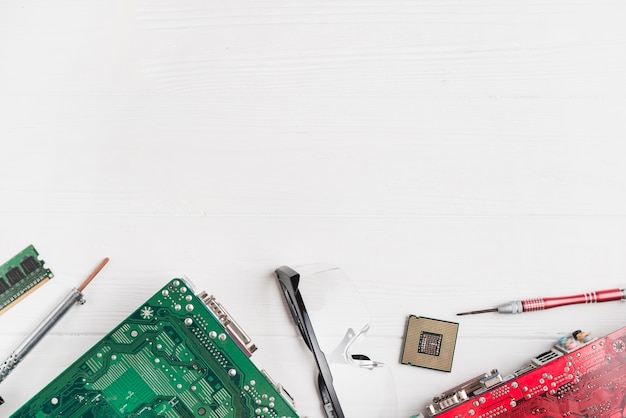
[[429, 343]]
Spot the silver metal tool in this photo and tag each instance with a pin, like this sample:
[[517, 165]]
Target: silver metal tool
[[75, 296]]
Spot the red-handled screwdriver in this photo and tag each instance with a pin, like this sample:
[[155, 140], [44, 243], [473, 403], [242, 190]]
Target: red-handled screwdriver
[[530, 305]]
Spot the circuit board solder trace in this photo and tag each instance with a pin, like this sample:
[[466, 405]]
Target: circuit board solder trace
[[175, 356]]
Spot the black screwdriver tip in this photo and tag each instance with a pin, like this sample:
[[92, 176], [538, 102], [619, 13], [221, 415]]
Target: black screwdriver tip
[[478, 312]]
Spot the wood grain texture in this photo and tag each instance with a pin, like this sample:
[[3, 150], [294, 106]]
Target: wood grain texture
[[449, 155]]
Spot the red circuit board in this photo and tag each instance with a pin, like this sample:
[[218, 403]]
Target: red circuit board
[[583, 380]]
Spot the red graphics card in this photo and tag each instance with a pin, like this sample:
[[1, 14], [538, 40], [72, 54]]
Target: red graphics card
[[579, 377]]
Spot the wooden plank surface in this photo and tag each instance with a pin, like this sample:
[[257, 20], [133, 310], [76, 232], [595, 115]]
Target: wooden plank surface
[[448, 155]]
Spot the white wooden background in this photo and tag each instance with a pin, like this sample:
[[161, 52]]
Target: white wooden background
[[449, 155]]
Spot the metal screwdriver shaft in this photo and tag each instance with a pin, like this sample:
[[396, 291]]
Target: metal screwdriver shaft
[[540, 304], [75, 296]]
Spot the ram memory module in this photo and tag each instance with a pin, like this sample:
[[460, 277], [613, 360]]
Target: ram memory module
[[20, 276], [178, 355]]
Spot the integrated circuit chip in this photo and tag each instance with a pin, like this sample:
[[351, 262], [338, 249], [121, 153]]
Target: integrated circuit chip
[[14, 275], [429, 343], [29, 264], [178, 355], [20, 276]]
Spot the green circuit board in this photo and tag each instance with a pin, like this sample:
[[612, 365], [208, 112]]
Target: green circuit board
[[178, 355], [20, 276]]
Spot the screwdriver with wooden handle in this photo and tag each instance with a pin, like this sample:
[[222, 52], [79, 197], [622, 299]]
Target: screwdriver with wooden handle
[[540, 304]]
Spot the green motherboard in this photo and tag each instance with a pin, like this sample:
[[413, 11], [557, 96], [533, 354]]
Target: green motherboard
[[178, 355], [20, 276]]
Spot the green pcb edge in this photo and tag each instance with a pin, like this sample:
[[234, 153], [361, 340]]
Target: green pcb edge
[[178, 355], [20, 276]]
